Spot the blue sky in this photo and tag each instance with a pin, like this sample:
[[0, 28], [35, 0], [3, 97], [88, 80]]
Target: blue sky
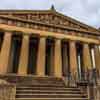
[[87, 11]]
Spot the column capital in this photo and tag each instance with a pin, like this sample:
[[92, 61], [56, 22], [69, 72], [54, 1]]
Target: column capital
[[54, 38], [45, 37], [72, 41], [96, 46], [26, 36], [58, 40]]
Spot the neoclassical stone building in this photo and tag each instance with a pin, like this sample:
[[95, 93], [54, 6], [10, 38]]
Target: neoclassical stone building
[[44, 48]]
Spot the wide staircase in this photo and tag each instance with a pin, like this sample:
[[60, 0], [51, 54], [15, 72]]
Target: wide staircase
[[47, 89]]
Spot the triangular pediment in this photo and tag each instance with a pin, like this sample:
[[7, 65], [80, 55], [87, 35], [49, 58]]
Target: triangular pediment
[[48, 17]]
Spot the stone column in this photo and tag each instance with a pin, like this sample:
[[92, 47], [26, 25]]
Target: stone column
[[23, 61], [97, 57], [5, 53], [87, 63], [41, 57], [73, 58], [57, 59]]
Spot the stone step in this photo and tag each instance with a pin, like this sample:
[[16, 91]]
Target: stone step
[[48, 88], [43, 88], [50, 96], [46, 85], [40, 83], [52, 99], [48, 91]]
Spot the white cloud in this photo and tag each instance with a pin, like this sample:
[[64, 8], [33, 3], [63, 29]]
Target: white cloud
[[87, 11]]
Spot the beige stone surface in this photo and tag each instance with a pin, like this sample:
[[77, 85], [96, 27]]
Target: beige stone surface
[[41, 57], [73, 58], [5, 53], [87, 61], [46, 33], [97, 57], [57, 59], [7, 92], [23, 61], [3, 82]]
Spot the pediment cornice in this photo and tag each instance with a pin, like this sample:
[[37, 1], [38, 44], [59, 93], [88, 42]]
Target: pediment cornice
[[48, 17]]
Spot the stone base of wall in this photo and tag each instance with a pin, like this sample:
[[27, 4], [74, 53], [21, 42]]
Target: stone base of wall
[[97, 90], [7, 90]]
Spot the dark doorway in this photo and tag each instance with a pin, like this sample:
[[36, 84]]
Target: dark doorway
[[33, 50], [1, 39], [65, 59], [15, 53], [80, 61], [49, 57]]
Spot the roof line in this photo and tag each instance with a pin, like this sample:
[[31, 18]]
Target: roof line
[[77, 22], [73, 29]]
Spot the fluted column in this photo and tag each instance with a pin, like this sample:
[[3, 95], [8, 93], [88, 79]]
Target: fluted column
[[23, 61], [5, 53], [97, 57], [87, 63], [57, 59], [73, 58], [41, 57]]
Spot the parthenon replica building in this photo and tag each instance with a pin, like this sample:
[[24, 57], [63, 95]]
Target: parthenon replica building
[[45, 55]]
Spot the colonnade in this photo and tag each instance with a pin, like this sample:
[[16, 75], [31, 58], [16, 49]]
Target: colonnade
[[58, 64]]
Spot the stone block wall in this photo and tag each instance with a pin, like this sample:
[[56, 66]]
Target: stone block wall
[[7, 91]]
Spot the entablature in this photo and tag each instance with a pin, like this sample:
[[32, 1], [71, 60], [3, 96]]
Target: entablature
[[44, 33], [12, 21]]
